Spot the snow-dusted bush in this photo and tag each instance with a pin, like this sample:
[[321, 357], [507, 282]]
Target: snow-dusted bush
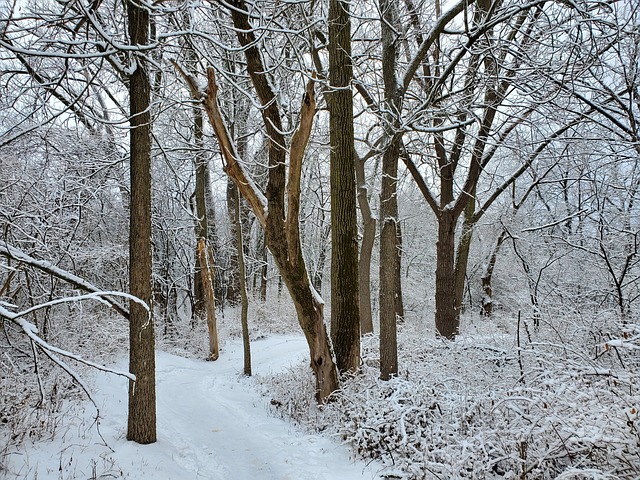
[[489, 406]]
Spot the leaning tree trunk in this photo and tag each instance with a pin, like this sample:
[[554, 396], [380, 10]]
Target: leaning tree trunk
[[282, 226]]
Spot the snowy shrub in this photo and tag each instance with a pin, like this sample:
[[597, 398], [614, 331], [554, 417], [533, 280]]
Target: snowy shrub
[[483, 407]]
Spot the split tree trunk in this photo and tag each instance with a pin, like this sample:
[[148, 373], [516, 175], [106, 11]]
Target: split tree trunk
[[282, 226], [206, 263]]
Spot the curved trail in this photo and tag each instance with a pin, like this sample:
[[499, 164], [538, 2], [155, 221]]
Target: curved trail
[[212, 424]]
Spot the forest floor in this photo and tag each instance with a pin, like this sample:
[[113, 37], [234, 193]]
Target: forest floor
[[212, 424], [505, 400]]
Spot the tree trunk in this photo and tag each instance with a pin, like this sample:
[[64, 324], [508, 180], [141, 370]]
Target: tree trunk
[[206, 261], [447, 321], [233, 278], [366, 251], [244, 320], [264, 270], [398, 275], [202, 226], [318, 274], [141, 426], [345, 307], [462, 253], [486, 309], [389, 259]]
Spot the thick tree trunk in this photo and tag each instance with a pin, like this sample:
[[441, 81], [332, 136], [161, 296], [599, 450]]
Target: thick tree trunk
[[366, 251], [389, 264], [141, 426], [447, 321], [345, 308]]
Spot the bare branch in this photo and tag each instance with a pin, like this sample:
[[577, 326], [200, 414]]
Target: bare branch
[[79, 283]]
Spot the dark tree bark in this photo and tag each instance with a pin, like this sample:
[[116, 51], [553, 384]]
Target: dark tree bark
[[447, 323], [232, 287], [345, 308], [462, 252], [486, 308], [389, 247], [142, 394], [264, 270]]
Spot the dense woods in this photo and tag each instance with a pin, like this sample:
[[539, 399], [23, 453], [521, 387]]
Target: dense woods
[[406, 179]]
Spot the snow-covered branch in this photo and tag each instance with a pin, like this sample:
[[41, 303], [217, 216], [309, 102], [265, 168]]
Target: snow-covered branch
[[80, 283], [31, 331]]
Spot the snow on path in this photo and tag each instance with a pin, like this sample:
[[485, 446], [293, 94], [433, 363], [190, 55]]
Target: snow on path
[[212, 424]]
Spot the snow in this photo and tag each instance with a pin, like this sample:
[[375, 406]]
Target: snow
[[212, 424]]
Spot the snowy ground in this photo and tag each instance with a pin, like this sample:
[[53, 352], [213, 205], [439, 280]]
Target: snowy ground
[[212, 424]]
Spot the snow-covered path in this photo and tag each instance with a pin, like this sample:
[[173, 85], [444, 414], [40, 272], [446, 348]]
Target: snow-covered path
[[212, 424]]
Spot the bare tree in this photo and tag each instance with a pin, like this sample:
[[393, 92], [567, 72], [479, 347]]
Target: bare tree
[[281, 224]]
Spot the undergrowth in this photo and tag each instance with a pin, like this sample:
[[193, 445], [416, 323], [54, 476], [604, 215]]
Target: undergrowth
[[516, 405]]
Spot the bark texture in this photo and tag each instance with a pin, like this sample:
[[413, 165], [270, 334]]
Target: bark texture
[[389, 248], [202, 225], [345, 307], [141, 425]]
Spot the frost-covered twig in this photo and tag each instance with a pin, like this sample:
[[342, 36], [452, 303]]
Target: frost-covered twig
[[80, 283], [31, 331]]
